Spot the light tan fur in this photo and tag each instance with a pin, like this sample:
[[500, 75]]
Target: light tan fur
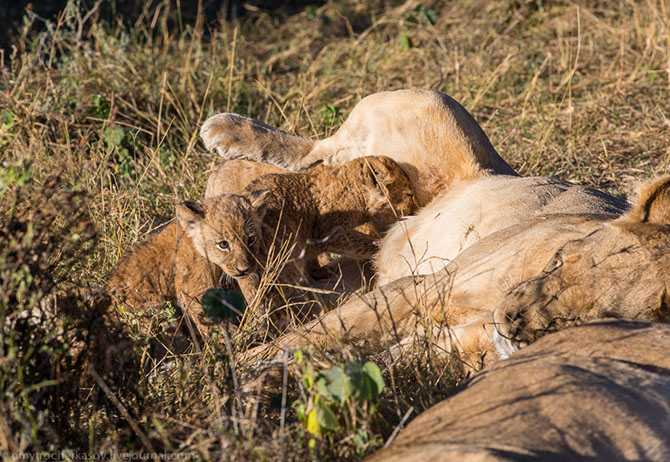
[[595, 277], [594, 392], [305, 213], [430, 135], [473, 209], [232, 176], [617, 267]]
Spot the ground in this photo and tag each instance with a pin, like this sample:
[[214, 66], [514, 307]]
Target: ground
[[99, 120]]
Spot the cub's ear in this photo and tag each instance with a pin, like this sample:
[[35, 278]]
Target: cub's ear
[[190, 215], [653, 203], [258, 197], [379, 170], [259, 200]]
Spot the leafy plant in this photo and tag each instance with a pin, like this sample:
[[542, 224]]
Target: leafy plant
[[224, 305], [167, 156], [7, 124], [340, 398], [117, 140], [422, 15], [100, 107], [405, 41], [329, 114]]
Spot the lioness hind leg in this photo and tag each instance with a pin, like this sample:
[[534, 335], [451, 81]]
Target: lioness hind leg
[[471, 343]]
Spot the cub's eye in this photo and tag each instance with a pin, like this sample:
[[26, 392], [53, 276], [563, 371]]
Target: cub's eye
[[223, 245], [251, 240]]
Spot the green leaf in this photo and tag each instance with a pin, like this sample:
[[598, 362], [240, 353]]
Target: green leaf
[[405, 41], [167, 157], [373, 372], [224, 305], [329, 113], [362, 386], [338, 384], [325, 416], [431, 15], [300, 408], [365, 379], [322, 386], [308, 379], [114, 137], [361, 438], [100, 106], [7, 119], [298, 357]]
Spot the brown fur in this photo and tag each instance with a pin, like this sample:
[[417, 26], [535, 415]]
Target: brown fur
[[595, 392], [166, 267], [304, 213], [653, 203], [608, 267], [430, 135]]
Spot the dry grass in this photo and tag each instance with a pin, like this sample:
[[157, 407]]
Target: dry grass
[[578, 90]]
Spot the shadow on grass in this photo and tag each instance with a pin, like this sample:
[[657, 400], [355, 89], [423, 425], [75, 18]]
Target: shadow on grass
[[182, 13]]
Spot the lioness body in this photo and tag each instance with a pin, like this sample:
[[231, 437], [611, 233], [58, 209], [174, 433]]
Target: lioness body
[[432, 137], [609, 267], [595, 392], [471, 210]]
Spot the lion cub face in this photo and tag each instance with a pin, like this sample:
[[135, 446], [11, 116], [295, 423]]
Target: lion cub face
[[226, 230]]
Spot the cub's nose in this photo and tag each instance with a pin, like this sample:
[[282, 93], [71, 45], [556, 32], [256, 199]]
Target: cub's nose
[[243, 271]]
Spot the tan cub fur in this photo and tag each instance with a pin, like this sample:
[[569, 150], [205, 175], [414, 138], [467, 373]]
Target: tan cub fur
[[232, 176], [303, 213], [167, 266]]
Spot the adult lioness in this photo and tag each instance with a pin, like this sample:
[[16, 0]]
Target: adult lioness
[[594, 392], [468, 188], [473, 209], [454, 307], [625, 274], [432, 137]]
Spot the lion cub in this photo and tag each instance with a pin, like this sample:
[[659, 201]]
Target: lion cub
[[166, 267], [288, 219]]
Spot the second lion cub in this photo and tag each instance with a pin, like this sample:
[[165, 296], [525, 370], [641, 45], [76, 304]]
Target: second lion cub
[[298, 215]]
